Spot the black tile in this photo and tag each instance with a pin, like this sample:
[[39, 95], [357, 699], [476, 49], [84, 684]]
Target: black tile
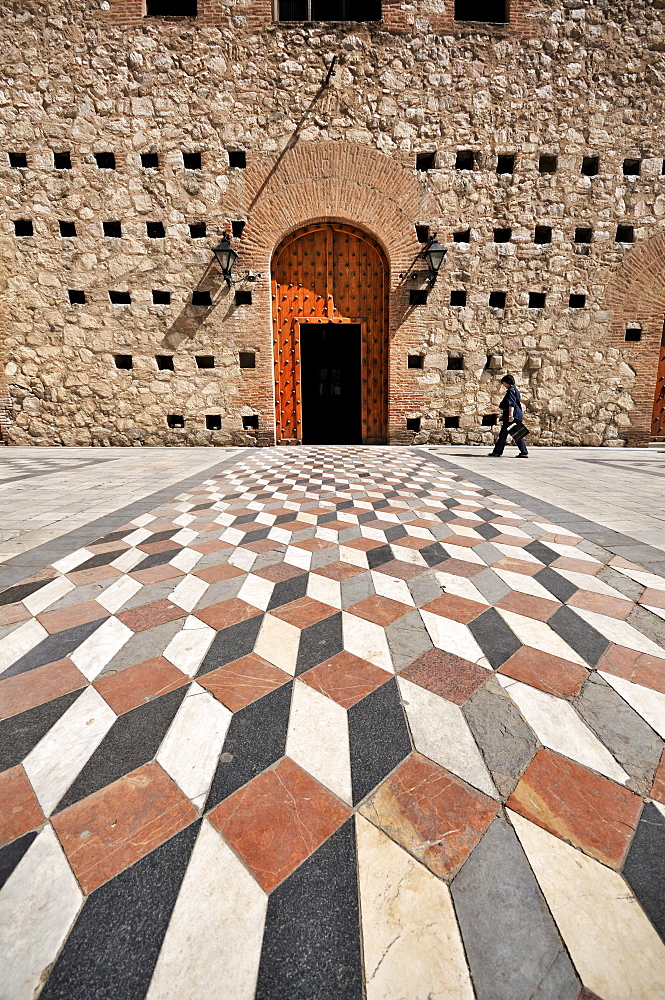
[[101, 559], [497, 641], [488, 530], [21, 733], [133, 740], [319, 642], [487, 515], [284, 518], [392, 534], [434, 554], [541, 552], [367, 517], [113, 536], [113, 948], [255, 536], [160, 536], [582, 637], [230, 644], [54, 647], [157, 559], [379, 556], [644, 868], [22, 590], [378, 737], [11, 854], [557, 585], [286, 591], [311, 942], [255, 739]]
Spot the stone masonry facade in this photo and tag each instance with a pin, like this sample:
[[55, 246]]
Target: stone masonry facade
[[129, 144]]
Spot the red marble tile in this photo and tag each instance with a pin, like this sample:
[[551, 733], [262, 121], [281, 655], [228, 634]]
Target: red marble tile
[[460, 567], [577, 565], [337, 526], [74, 614], [446, 674], [139, 684], [264, 545], [380, 610], [277, 820], [345, 678], [602, 603], [527, 605], [82, 577], [148, 615], [518, 566], [10, 614], [658, 788], [212, 545], [154, 547], [399, 569], [111, 829], [20, 811], [116, 547], [514, 540], [641, 668], [295, 526], [363, 544], [36, 687], [544, 671], [656, 598], [306, 611], [433, 814], [243, 681], [588, 995], [156, 574], [279, 571], [338, 571], [411, 542], [222, 571], [593, 813], [463, 522], [314, 544], [459, 609], [226, 613]]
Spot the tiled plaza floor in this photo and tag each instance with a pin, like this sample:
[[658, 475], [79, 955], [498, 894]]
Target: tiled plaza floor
[[335, 723]]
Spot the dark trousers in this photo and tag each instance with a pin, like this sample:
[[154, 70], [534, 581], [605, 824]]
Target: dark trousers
[[503, 437]]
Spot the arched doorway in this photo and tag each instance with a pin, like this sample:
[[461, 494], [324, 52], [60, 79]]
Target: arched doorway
[[330, 335], [658, 418]]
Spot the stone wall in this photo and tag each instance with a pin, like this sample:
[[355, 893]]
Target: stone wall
[[573, 79]]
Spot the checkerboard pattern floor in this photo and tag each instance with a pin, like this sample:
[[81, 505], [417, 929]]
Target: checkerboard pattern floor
[[336, 724]]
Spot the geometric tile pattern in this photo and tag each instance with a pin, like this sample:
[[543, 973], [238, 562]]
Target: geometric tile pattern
[[336, 723]]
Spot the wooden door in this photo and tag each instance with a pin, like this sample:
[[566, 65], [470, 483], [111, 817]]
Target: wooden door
[[330, 273], [658, 421]]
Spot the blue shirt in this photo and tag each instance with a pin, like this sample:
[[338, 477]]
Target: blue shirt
[[512, 398]]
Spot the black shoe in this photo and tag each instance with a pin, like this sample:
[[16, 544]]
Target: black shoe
[[493, 454], [520, 455]]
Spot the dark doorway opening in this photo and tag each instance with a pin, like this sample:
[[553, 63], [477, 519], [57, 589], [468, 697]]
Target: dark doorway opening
[[331, 384]]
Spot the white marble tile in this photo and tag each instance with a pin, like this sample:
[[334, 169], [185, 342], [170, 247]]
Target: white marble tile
[[242, 559], [223, 518], [453, 637], [326, 534], [48, 595], [92, 655], [412, 556], [298, 557], [354, 557], [213, 943], [192, 746], [138, 536], [277, 534], [318, 739], [128, 559], [367, 640], [412, 947], [232, 535], [460, 586], [188, 646], [55, 762], [460, 529], [321, 588], [38, 906], [440, 732], [278, 643], [462, 552], [120, 591], [185, 536], [648, 703], [572, 552], [186, 559], [558, 727], [613, 945], [20, 641], [375, 534], [641, 576], [621, 633], [540, 636], [524, 584], [188, 592], [70, 562], [256, 591], [556, 529], [656, 611], [509, 550], [585, 581], [392, 587]]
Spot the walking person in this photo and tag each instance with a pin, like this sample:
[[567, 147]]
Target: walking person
[[511, 409]]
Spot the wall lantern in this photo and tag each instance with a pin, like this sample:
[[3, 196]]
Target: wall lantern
[[434, 254], [226, 257]]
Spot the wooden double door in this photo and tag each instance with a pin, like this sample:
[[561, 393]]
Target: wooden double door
[[658, 418], [330, 335]]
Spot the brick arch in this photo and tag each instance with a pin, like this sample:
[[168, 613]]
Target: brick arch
[[636, 294]]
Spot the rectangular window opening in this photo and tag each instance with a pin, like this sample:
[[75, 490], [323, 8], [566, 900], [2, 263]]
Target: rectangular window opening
[[497, 300], [112, 229], [66, 228], [238, 227], [171, 8], [197, 230], [583, 234], [62, 161], [23, 227], [502, 235], [415, 361], [105, 161], [489, 420], [417, 296], [161, 297], [542, 235], [413, 424], [76, 296], [18, 161], [590, 165], [329, 10], [632, 167], [155, 230], [191, 161], [577, 302], [120, 298], [455, 363], [175, 421], [451, 422], [458, 297], [536, 300], [251, 423], [463, 236], [213, 422], [465, 159], [425, 161], [633, 334], [243, 297], [124, 361], [164, 362], [237, 159], [150, 161], [201, 299], [205, 361], [422, 234], [247, 359], [505, 163], [625, 234], [547, 163], [488, 11]]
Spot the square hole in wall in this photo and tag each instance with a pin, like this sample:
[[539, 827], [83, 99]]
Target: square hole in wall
[[417, 296], [105, 161], [415, 361], [489, 11], [502, 235], [251, 423], [213, 422], [413, 424], [18, 160], [505, 163], [120, 298], [197, 230], [465, 159], [113, 229], [175, 421], [497, 300], [633, 334], [201, 299], [625, 234], [455, 363], [590, 165], [76, 296], [238, 227], [583, 234], [191, 161], [243, 297], [463, 236], [155, 230], [422, 234], [451, 422], [536, 300], [66, 228], [23, 227], [205, 361], [547, 163], [542, 234], [489, 420], [425, 161], [247, 359], [632, 167], [62, 161], [577, 301], [171, 8], [164, 362], [237, 158], [161, 297], [150, 161], [458, 297], [123, 361]]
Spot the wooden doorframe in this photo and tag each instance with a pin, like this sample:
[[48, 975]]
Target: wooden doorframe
[[658, 412]]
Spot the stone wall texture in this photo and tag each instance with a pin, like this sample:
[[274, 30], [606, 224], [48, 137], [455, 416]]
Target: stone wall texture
[[571, 79]]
